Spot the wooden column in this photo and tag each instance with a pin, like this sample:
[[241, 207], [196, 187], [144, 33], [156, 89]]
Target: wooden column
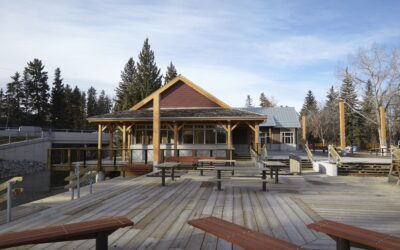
[[124, 142], [342, 125], [304, 128], [176, 131], [257, 138], [99, 147], [229, 139], [111, 131], [382, 116], [156, 129], [270, 137]]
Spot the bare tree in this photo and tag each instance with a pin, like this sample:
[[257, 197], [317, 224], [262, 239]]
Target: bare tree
[[319, 123], [380, 66]]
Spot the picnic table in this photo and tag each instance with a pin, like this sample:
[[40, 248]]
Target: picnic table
[[167, 165], [252, 169], [215, 161], [274, 165]]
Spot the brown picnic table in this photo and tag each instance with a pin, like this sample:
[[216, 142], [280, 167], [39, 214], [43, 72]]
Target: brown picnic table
[[274, 165], [215, 161], [245, 169], [167, 165]]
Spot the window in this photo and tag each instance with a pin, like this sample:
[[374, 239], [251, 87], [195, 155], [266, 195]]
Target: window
[[265, 138], [143, 134], [287, 137], [167, 135], [187, 136], [221, 135], [203, 134]]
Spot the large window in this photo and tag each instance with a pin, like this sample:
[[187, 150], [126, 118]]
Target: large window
[[287, 137], [265, 138], [167, 135], [203, 134], [143, 134]]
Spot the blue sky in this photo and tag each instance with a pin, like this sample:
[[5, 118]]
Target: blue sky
[[230, 48]]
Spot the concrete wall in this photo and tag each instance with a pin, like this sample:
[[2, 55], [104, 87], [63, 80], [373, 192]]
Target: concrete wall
[[32, 150]]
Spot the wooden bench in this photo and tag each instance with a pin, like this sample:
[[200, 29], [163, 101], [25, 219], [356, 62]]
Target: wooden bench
[[346, 236], [183, 159], [135, 169], [239, 235], [94, 229]]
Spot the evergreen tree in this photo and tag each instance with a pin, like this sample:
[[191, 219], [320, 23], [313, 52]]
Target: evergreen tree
[[127, 92], [14, 98], [37, 92], [69, 109], [369, 126], [148, 78], [352, 107], [265, 102], [249, 102], [77, 102], [331, 113], [170, 74], [104, 104], [3, 106], [57, 105], [91, 102], [310, 104]]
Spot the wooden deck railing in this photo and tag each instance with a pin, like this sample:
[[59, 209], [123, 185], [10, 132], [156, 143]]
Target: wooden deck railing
[[309, 154], [334, 154], [10, 192]]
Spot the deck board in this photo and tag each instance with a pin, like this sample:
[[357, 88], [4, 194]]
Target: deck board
[[160, 213]]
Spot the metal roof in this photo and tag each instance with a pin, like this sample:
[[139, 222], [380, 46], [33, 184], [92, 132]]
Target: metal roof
[[278, 117], [180, 113]]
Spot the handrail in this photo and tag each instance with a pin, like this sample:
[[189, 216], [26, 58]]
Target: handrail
[[334, 154], [309, 154], [8, 185]]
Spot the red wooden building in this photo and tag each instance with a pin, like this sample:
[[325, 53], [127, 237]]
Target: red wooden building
[[182, 116]]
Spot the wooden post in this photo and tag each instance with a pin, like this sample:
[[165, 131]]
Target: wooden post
[[229, 140], [156, 129], [304, 128], [257, 138], [270, 137], [49, 159], [128, 146], [342, 125], [69, 158], [111, 141], [383, 126], [176, 131], [123, 142], [99, 147]]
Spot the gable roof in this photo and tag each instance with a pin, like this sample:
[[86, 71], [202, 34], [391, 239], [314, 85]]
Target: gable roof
[[186, 81], [278, 117], [181, 114]]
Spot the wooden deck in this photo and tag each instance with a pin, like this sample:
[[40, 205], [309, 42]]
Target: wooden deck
[[160, 213]]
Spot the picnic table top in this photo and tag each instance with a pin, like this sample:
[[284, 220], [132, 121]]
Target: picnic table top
[[215, 160], [240, 168], [167, 165], [273, 163]]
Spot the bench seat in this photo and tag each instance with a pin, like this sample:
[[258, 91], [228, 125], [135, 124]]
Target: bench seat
[[95, 229], [239, 235], [346, 235]]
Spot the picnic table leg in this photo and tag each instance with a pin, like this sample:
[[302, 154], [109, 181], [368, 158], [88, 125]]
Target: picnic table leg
[[102, 241], [264, 177], [276, 175], [270, 172], [173, 174], [163, 177], [342, 244], [219, 179], [201, 170]]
